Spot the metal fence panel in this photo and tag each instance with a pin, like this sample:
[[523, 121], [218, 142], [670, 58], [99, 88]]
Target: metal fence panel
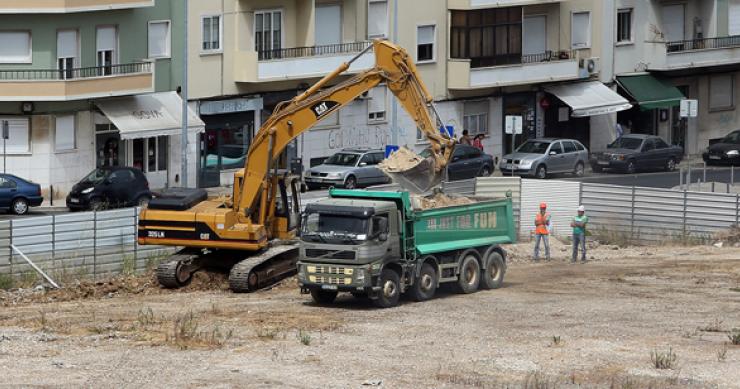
[[498, 187], [562, 198], [463, 187]]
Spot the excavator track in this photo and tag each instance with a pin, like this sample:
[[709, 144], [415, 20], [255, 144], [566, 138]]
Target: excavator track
[[264, 269], [178, 270]]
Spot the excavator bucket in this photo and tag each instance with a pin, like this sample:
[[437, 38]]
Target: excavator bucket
[[420, 178]]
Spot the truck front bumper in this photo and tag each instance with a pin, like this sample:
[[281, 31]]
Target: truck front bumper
[[333, 277]]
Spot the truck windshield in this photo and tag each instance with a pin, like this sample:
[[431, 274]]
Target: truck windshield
[[324, 226]]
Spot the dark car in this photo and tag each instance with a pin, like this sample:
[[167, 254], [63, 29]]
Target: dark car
[[726, 151], [634, 152], [110, 187], [467, 162], [17, 194]]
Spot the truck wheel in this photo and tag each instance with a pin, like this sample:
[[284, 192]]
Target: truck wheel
[[493, 276], [469, 277], [390, 289], [425, 285], [322, 297]]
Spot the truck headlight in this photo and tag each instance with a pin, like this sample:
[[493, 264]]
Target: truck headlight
[[733, 153], [360, 276], [334, 176]]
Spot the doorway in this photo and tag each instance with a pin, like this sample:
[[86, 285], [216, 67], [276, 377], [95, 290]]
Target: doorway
[[150, 156]]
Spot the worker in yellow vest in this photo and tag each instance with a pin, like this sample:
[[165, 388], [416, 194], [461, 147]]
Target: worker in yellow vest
[[542, 232]]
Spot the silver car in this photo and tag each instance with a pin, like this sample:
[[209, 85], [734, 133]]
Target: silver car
[[541, 157], [349, 168]]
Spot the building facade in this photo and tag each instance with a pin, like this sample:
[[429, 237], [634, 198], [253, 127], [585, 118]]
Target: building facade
[[89, 84], [481, 60]]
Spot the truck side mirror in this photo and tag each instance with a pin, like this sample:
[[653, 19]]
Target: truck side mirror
[[383, 237]]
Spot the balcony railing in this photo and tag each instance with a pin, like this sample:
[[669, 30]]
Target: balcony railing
[[299, 52], [76, 73], [706, 43], [516, 59]]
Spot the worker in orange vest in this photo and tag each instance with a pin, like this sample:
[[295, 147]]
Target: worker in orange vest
[[542, 232]]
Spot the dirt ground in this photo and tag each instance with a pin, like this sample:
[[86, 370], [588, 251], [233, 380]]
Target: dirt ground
[[551, 325]]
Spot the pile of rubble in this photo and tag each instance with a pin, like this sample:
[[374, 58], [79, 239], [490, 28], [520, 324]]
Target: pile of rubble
[[439, 200], [400, 160]]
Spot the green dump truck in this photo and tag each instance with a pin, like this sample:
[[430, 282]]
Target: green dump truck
[[380, 245]]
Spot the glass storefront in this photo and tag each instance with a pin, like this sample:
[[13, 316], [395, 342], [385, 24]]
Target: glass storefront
[[224, 145], [519, 104]]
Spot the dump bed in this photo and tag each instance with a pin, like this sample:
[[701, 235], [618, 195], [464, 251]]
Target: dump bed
[[481, 223]]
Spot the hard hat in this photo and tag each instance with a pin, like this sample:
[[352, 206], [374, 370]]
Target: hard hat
[[543, 205], [581, 209]]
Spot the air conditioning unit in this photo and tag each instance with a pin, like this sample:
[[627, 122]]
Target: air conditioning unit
[[364, 96], [588, 67]]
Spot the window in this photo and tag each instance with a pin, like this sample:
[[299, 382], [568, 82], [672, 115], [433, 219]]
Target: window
[[579, 146], [660, 144], [268, 34], [425, 43], [376, 105], [16, 47], [211, 33], [377, 18], [18, 139], [106, 43], [475, 117], [122, 176], [624, 25], [569, 147], [556, 148], [64, 134], [488, 37], [67, 53], [721, 95], [580, 30], [159, 39], [6, 183], [649, 145]]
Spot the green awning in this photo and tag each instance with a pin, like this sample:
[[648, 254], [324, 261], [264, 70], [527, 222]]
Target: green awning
[[650, 92]]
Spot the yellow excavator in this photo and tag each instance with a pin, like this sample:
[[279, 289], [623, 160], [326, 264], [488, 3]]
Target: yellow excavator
[[253, 231]]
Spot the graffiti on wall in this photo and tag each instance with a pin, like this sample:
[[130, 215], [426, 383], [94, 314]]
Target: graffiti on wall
[[366, 137]]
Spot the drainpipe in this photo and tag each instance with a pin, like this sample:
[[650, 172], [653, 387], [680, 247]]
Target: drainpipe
[[184, 96]]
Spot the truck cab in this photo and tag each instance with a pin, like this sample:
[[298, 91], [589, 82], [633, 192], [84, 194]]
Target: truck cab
[[344, 244], [379, 245]]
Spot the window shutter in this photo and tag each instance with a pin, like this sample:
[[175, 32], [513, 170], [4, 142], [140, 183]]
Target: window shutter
[[67, 44], [106, 38], [18, 136], [734, 17], [377, 100], [158, 44], [377, 18], [425, 35], [720, 91], [580, 29], [64, 136], [15, 47]]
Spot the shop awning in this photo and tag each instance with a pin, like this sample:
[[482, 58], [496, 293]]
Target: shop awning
[[148, 115], [650, 92], [589, 98]]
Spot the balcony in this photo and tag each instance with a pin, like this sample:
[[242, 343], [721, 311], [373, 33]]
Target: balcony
[[527, 69], [297, 63], [68, 6], [476, 4], [76, 84]]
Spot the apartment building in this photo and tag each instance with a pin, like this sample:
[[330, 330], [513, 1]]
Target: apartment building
[[481, 59], [87, 84], [665, 51]]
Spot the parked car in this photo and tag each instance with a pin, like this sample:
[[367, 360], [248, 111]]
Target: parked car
[[349, 168], [726, 151], [634, 152], [17, 194], [544, 156], [110, 187], [467, 162]]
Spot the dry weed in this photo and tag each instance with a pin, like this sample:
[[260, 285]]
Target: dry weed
[[663, 360]]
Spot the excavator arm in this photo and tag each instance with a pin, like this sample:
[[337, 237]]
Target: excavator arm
[[394, 67]]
